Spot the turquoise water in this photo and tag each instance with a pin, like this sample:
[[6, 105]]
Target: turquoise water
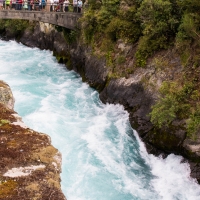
[[100, 161]]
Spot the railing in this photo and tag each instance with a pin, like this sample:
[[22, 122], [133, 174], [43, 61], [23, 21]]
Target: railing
[[44, 7], [51, 13]]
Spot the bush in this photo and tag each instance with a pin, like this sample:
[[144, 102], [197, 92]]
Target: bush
[[160, 20], [89, 25], [178, 102], [70, 35], [122, 29], [193, 124], [188, 36], [174, 103], [14, 26], [165, 110]]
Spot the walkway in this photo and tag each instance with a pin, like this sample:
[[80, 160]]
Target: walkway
[[65, 19]]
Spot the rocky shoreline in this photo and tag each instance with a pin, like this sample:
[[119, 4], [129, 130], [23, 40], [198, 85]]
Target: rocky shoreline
[[30, 166], [137, 92]]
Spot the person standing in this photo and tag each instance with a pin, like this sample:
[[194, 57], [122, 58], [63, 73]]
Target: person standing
[[1, 4], [56, 6], [13, 4], [19, 4], [80, 5], [30, 4], [61, 5], [36, 5], [75, 5], [25, 4], [42, 4], [66, 5], [51, 5], [8, 4]]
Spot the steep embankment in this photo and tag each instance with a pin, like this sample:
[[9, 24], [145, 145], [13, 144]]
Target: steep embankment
[[30, 166], [137, 90]]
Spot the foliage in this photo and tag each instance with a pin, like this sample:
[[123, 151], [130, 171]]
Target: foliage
[[177, 102], [174, 103], [165, 110], [125, 26], [188, 35], [70, 35], [150, 26], [14, 26], [4, 121], [193, 123], [160, 20], [121, 60], [113, 20], [89, 25], [154, 24]]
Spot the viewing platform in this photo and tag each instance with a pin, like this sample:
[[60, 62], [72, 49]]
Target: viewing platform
[[65, 19]]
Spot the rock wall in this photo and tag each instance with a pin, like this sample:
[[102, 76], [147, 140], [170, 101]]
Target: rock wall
[[137, 92], [30, 166]]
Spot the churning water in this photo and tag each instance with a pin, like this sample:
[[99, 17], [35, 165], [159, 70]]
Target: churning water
[[100, 159]]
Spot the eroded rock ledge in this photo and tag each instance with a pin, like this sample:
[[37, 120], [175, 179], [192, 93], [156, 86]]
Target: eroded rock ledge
[[29, 166]]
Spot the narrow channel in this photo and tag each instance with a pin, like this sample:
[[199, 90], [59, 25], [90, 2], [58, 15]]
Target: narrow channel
[[100, 158]]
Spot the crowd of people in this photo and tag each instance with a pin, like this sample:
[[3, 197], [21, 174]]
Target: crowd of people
[[42, 5]]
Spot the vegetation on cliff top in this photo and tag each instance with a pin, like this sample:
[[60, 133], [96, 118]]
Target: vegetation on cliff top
[[153, 26], [14, 27]]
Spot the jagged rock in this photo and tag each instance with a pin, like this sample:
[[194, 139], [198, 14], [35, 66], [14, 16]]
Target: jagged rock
[[30, 166], [6, 96]]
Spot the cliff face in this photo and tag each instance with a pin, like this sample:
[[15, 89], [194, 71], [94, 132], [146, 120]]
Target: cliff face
[[137, 92], [30, 166]]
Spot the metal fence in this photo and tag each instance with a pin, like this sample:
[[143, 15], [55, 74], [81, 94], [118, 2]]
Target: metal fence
[[45, 7]]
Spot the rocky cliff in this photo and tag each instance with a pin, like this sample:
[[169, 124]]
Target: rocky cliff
[[30, 166], [137, 92]]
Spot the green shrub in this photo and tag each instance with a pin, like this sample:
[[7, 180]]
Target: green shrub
[[89, 25], [164, 112], [160, 20], [178, 102], [188, 36], [14, 26], [193, 124], [123, 29], [121, 60], [107, 45], [174, 103], [4, 121], [70, 35]]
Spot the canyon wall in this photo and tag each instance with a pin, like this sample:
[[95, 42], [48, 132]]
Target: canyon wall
[[137, 92]]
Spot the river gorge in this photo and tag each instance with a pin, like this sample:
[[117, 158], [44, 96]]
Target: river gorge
[[102, 156]]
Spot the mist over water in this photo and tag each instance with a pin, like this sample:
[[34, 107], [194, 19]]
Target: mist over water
[[102, 156]]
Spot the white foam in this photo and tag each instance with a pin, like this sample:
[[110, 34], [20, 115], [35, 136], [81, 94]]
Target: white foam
[[99, 157], [172, 177]]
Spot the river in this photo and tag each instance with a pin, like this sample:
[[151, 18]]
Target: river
[[102, 156]]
